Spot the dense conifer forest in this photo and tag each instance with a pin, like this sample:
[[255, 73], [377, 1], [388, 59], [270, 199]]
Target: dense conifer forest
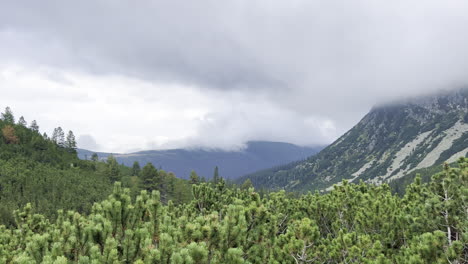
[[46, 172], [55, 208], [355, 223]]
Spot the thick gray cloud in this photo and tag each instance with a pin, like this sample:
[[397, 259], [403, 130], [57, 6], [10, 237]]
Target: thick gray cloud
[[329, 61]]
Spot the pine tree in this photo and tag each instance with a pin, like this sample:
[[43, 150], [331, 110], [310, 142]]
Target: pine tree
[[8, 116], [216, 177], [22, 122], [447, 202], [70, 143], [34, 127], [112, 170], [136, 169], [149, 177], [58, 137]]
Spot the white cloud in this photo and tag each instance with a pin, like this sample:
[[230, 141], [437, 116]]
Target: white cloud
[[215, 74], [119, 114]]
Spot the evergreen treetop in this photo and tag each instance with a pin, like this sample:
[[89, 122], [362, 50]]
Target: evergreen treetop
[[8, 116]]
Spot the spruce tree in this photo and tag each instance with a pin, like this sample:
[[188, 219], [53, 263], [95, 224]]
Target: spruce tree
[[22, 122], [58, 137], [8, 116], [112, 170], [70, 143], [34, 127], [149, 177], [136, 169], [216, 177]]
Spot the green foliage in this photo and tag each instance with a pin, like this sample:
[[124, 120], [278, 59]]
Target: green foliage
[[8, 116], [136, 169], [150, 179], [95, 157], [112, 170], [22, 121], [354, 223], [247, 184], [58, 137], [194, 179], [50, 210], [37, 170], [70, 143]]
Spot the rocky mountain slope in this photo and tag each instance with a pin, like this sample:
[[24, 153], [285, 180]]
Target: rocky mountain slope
[[390, 142], [232, 164]]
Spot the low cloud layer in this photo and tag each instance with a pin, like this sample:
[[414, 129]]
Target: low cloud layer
[[159, 74]]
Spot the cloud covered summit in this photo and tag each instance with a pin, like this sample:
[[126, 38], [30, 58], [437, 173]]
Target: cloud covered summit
[[159, 74]]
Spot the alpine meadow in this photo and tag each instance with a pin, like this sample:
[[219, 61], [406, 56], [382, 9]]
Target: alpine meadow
[[233, 132]]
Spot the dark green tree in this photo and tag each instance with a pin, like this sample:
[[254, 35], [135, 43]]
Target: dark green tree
[[149, 178], [8, 116], [58, 137], [216, 177], [22, 122], [136, 169], [70, 143], [112, 170]]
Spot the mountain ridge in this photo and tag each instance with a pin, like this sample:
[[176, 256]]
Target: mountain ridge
[[232, 163], [388, 143]]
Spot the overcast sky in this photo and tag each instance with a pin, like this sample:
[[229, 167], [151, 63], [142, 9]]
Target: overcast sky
[[132, 75]]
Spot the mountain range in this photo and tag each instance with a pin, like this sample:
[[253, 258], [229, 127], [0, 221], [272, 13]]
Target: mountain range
[[390, 142], [257, 155]]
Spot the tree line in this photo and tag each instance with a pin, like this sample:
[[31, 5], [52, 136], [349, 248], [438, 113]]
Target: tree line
[[46, 172], [354, 223]]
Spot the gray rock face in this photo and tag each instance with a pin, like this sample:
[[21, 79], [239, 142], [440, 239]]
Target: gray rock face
[[391, 141]]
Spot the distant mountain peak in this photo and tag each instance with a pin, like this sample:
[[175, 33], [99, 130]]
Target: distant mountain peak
[[232, 164]]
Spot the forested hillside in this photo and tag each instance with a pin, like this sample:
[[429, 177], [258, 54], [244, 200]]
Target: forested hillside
[[351, 224], [389, 143], [46, 172]]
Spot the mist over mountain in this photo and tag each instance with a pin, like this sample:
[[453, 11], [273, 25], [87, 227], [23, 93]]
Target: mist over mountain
[[390, 142], [232, 164]]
